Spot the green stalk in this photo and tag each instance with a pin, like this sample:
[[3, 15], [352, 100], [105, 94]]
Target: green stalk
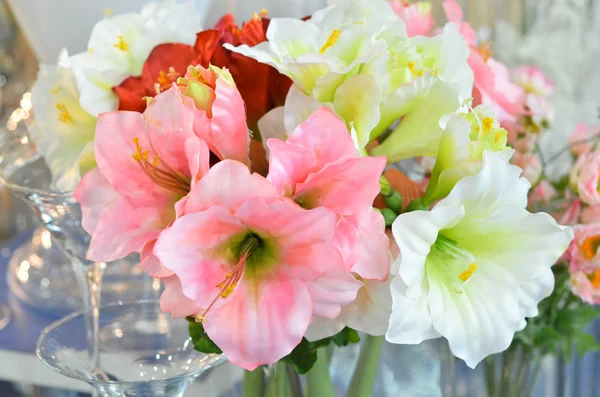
[[279, 384], [318, 380], [254, 383], [366, 368]]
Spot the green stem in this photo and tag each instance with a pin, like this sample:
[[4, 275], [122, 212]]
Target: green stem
[[254, 383], [318, 380], [366, 368], [279, 384]]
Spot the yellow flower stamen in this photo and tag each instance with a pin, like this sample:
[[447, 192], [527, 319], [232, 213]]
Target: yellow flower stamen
[[331, 40], [488, 124], [108, 12], [467, 274], [435, 72], [255, 16], [485, 50], [412, 67], [264, 13], [63, 114], [121, 44], [158, 172]]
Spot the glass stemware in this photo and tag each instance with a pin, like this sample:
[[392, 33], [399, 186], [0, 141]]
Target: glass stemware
[[142, 351]]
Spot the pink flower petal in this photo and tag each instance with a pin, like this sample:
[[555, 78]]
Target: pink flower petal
[[189, 247], [228, 184], [336, 287], [289, 164], [345, 186], [114, 147], [263, 322], [150, 263], [230, 134], [173, 301], [93, 194], [303, 237], [123, 228], [326, 135], [373, 260]]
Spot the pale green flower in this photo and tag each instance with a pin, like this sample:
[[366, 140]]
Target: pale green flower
[[461, 149]]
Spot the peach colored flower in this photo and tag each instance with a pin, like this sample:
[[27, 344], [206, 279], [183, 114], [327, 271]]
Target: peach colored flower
[[530, 164], [590, 215], [586, 286], [533, 80], [583, 251], [585, 178]]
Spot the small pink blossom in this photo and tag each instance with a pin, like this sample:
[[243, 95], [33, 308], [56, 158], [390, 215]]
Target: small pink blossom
[[571, 214], [530, 164], [244, 258], [583, 251], [532, 80], [586, 286], [581, 139], [541, 109], [455, 14], [590, 215], [585, 178], [417, 16]]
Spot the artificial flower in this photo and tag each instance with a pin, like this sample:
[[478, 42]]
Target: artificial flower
[[119, 46], [63, 131], [581, 140], [544, 192], [583, 252], [570, 212], [245, 257], [476, 265], [493, 86], [146, 164], [357, 59], [314, 173], [585, 178], [417, 16], [463, 143], [586, 286]]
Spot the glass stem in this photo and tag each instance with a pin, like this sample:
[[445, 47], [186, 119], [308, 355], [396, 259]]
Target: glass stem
[[89, 277], [254, 383], [366, 368], [318, 379]]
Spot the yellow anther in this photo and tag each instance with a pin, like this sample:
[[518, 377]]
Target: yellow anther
[[264, 13], [148, 100], [255, 16], [137, 156], [228, 275], [145, 155], [228, 291], [488, 123], [497, 137], [485, 50], [411, 66], [156, 160], [91, 50], [200, 318], [331, 40], [108, 12], [473, 267], [435, 72], [121, 44], [55, 90], [136, 142], [467, 274], [63, 114]]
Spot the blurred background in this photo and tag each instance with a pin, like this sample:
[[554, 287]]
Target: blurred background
[[561, 36]]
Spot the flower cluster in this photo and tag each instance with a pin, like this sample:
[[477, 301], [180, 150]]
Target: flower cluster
[[273, 246], [133, 57]]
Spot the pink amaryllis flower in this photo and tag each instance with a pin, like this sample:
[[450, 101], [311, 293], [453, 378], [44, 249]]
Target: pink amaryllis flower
[[586, 286], [147, 163], [417, 16], [318, 166], [583, 251], [585, 178], [244, 258], [493, 86]]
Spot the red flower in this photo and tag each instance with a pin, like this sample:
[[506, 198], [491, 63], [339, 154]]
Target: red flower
[[261, 86]]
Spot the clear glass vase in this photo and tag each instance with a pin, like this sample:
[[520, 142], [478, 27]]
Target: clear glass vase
[[141, 352]]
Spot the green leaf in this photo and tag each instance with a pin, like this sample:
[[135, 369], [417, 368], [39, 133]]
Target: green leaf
[[345, 337], [416, 205], [304, 356], [585, 343], [202, 341]]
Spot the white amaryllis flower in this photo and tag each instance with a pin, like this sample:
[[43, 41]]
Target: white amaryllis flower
[[476, 265], [63, 131], [356, 58], [119, 46]]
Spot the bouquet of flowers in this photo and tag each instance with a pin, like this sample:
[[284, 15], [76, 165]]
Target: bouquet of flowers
[[255, 169]]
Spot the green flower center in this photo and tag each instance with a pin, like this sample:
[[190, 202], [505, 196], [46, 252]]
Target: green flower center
[[452, 262]]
